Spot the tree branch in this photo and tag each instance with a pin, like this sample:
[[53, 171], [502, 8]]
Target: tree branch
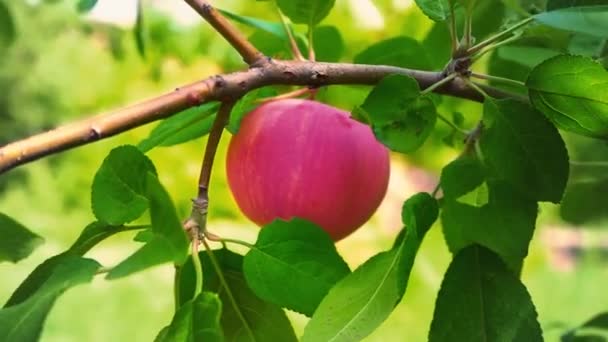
[[250, 54], [220, 88]]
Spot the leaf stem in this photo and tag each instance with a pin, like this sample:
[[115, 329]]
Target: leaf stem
[[220, 274], [498, 79], [595, 163], [198, 268], [295, 50], [453, 30], [498, 36], [492, 47], [452, 125], [438, 84], [213, 237], [476, 87], [311, 48]]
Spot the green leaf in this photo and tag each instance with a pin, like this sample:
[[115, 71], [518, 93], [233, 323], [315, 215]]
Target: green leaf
[[23, 322], [461, 176], [93, 234], [585, 201], [169, 243], [85, 5], [273, 28], [293, 264], [481, 300], [437, 10], [265, 322], [573, 93], [309, 12], [505, 224], [328, 44], [521, 147], [16, 241], [119, 186], [197, 320], [185, 126], [557, 4], [403, 52], [402, 119], [8, 31], [361, 301], [529, 56], [598, 322], [246, 105], [139, 31], [591, 20]]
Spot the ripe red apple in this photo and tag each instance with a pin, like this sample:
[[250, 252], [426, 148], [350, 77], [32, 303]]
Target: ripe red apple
[[301, 158]]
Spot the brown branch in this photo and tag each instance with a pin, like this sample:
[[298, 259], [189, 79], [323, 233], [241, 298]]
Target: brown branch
[[250, 54], [214, 139], [220, 88]]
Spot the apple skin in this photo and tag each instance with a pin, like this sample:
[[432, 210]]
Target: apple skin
[[301, 158]]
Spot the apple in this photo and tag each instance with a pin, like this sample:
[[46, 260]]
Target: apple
[[302, 158]]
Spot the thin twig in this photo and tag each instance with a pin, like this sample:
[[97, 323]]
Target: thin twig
[[453, 30], [295, 50], [288, 95], [212, 237], [439, 83], [498, 36], [498, 79], [215, 135], [493, 47], [218, 88], [311, 48], [451, 124], [250, 54]]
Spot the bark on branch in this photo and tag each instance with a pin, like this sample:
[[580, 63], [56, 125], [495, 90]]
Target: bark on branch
[[221, 88]]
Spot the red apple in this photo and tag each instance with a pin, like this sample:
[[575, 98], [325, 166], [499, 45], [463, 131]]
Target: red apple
[[301, 158]]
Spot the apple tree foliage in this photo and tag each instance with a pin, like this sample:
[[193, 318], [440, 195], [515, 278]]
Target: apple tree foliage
[[555, 63]]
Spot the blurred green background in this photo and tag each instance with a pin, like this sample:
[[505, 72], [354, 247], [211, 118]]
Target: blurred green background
[[63, 66]]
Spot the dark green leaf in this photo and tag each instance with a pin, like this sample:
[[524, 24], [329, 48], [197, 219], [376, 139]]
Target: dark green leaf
[[185, 126], [461, 176], [93, 234], [169, 243], [197, 320], [309, 12], [505, 224], [85, 5], [8, 31], [402, 119], [247, 104], [591, 20], [139, 30], [437, 10], [90, 236], [573, 93], [23, 322], [328, 44], [481, 300], [265, 322], [361, 301], [557, 4], [119, 186], [293, 264], [521, 147], [529, 56], [585, 201], [16, 241], [403, 52]]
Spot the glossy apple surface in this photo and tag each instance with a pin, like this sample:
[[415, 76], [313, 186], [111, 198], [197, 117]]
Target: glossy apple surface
[[301, 158]]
